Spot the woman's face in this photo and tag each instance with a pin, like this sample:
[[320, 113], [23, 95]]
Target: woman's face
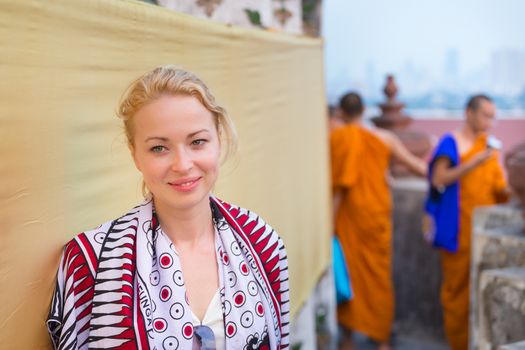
[[177, 150]]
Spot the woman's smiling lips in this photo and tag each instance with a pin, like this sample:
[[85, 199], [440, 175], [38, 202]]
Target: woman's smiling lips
[[185, 185]]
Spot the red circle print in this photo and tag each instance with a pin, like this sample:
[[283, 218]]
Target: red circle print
[[160, 325], [187, 330], [231, 329], [259, 309], [244, 268], [239, 299], [165, 293], [165, 260]]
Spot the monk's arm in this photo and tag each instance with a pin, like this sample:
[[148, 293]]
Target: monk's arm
[[443, 174], [502, 191], [402, 154], [338, 197], [503, 194]]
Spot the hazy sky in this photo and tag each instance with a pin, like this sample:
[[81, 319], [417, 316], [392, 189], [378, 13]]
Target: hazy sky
[[392, 32]]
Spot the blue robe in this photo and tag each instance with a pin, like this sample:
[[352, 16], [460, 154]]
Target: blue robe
[[442, 204]]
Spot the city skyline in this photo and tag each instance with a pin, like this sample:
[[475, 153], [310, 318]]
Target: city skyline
[[439, 52]]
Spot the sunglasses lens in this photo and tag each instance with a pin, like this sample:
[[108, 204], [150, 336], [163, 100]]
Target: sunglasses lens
[[203, 338]]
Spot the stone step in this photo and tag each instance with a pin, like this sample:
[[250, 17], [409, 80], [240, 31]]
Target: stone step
[[514, 346], [501, 307]]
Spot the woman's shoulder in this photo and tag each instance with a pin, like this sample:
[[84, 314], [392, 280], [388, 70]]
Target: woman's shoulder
[[247, 221], [237, 212], [91, 240], [97, 231], [265, 241], [87, 243]]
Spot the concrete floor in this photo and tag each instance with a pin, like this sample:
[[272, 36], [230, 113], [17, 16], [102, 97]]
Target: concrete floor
[[400, 343]]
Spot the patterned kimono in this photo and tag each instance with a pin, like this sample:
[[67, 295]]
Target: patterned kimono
[[121, 286]]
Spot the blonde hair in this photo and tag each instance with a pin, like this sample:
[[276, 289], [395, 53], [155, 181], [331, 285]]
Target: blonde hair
[[170, 80]]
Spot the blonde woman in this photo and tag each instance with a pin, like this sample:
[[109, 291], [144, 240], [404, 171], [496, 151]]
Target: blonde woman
[[183, 269]]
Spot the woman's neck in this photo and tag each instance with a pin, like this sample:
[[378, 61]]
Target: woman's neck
[[189, 227]]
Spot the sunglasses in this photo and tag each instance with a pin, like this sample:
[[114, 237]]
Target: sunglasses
[[203, 338]]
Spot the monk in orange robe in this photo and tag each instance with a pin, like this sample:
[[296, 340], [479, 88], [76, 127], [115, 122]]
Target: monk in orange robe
[[481, 182], [360, 160]]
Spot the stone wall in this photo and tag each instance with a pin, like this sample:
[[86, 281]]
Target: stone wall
[[497, 314], [514, 346], [502, 307], [283, 15], [417, 272]]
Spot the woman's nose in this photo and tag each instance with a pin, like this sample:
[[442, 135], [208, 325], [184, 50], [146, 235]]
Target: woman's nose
[[182, 162]]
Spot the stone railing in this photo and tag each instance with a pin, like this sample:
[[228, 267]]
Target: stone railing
[[498, 279]]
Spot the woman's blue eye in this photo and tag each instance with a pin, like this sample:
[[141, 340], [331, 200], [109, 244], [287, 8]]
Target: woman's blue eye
[[157, 149], [198, 142]]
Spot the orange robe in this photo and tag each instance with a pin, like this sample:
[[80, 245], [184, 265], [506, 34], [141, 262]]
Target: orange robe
[[363, 224], [484, 185]]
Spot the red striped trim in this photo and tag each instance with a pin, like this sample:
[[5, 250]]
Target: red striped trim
[[78, 266], [139, 326], [89, 253]]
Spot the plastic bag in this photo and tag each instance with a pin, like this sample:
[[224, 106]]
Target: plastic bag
[[343, 285]]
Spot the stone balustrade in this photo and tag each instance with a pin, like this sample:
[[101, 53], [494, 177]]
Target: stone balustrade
[[497, 278]]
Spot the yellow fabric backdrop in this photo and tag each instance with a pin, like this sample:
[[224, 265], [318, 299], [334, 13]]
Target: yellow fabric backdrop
[[64, 165]]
